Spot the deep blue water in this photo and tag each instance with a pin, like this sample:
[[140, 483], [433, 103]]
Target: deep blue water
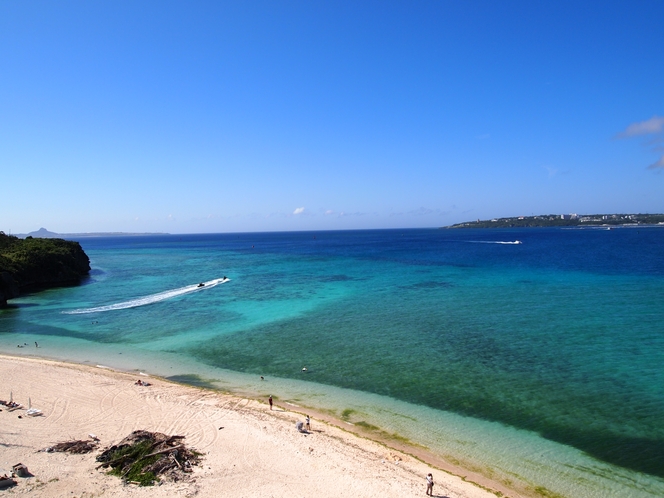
[[561, 334]]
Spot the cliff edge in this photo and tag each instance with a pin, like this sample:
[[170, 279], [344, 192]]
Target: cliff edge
[[35, 263]]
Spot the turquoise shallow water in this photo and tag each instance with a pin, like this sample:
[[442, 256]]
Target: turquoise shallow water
[[542, 359]]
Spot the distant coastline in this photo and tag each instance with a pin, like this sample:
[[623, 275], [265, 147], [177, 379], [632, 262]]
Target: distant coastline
[[565, 220], [43, 233]]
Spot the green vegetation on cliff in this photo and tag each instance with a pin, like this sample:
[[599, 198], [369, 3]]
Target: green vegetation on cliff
[[31, 263]]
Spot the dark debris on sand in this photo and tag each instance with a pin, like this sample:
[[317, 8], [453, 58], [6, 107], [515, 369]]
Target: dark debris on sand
[[76, 446], [145, 457]]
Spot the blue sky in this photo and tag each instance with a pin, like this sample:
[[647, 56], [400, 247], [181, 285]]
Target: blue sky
[[188, 117]]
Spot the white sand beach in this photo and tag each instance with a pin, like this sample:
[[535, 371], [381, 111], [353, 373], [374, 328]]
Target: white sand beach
[[248, 449]]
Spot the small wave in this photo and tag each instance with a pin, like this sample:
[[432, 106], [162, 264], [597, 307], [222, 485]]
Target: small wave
[[495, 242], [153, 298]]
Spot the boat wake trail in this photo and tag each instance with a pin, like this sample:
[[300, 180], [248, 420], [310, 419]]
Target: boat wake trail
[[153, 298], [494, 242]]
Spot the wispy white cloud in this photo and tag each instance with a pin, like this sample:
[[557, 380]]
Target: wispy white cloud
[[653, 128], [648, 127], [299, 210], [329, 212], [277, 215], [551, 171], [658, 164], [356, 213], [421, 211]]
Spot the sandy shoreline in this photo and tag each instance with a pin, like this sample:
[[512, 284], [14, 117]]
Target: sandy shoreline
[[248, 448]]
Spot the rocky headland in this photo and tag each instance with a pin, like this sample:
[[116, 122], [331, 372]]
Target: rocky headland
[[35, 263]]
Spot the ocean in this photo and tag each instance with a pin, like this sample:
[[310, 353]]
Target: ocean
[[535, 356]]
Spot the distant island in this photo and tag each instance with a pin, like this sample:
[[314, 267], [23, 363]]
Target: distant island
[[42, 233], [565, 220], [38, 263]]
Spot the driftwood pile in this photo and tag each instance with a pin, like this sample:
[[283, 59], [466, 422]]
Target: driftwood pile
[[78, 446], [144, 457], [6, 482]]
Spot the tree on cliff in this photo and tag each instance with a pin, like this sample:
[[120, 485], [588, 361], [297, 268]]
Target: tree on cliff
[[34, 263]]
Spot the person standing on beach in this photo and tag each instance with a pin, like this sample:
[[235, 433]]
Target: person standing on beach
[[429, 484], [307, 423], [270, 401]]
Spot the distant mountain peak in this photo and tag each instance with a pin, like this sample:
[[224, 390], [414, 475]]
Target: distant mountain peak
[[43, 234]]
